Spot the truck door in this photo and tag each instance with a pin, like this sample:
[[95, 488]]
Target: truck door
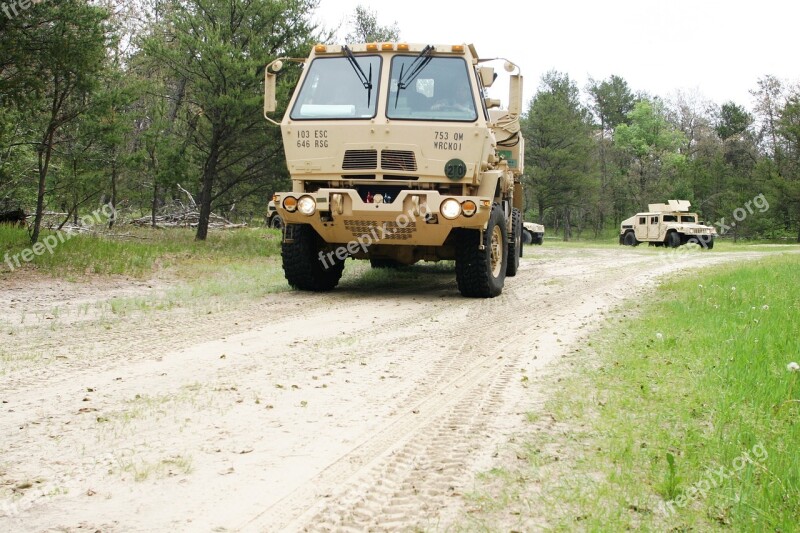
[[653, 227], [640, 228]]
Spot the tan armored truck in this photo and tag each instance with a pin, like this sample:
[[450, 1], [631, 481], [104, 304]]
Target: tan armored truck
[[397, 155], [669, 224], [532, 233]]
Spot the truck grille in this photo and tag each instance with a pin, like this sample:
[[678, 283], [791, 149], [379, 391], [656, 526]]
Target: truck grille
[[360, 160], [398, 160], [381, 230]]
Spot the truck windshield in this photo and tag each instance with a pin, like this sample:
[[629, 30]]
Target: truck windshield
[[441, 91], [333, 90]]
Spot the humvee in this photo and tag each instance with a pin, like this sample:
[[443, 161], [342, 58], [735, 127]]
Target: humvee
[[532, 233], [389, 163], [273, 219], [669, 224]]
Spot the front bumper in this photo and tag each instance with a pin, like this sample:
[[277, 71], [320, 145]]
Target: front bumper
[[413, 218]]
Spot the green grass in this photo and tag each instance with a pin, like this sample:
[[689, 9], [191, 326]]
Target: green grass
[[673, 393], [136, 252]]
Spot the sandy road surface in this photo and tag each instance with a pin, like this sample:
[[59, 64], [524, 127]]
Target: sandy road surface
[[368, 408]]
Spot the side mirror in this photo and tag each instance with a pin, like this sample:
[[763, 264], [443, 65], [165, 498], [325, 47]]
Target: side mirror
[[270, 101], [487, 76]]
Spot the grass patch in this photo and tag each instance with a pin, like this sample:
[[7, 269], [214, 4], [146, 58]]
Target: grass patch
[[135, 252], [682, 416]]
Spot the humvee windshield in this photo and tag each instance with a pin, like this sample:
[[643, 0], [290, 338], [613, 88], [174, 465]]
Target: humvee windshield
[[670, 218], [439, 91], [333, 90]]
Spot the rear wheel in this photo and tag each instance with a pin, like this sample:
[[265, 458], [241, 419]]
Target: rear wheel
[[306, 266], [515, 244], [482, 273]]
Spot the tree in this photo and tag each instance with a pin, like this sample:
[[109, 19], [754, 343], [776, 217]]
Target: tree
[[59, 51], [219, 49], [610, 101], [733, 120], [365, 28], [653, 144], [558, 148]]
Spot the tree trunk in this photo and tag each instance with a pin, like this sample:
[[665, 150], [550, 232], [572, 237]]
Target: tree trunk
[[113, 217], [45, 151], [209, 175]]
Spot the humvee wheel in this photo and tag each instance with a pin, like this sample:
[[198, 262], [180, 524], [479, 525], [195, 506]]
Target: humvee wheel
[[482, 273], [673, 239], [527, 237], [276, 222], [709, 244], [630, 239], [384, 263], [304, 265], [515, 245]]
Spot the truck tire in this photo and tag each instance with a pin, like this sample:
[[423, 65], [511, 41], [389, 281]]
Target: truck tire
[[276, 222], [630, 239], [482, 273], [673, 239], [515, 243], [303, 267], [538, 239]]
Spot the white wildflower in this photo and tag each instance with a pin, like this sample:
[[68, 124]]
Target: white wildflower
[[793, 367], [765, 307], [733, 288], [659, 336]]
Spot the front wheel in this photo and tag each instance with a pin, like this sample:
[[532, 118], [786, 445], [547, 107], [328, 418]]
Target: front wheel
[[306, 265], [482, 273], [630, 239], [673, 239]]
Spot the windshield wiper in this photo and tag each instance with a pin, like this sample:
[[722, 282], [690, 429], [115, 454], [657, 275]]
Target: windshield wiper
[[414, 70], [365, 80]]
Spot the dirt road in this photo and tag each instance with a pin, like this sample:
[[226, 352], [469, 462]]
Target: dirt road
[[368, 408]]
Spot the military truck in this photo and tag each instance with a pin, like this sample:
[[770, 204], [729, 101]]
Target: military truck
[[669, 224], [273, 219], [397, 155], [532, 233]]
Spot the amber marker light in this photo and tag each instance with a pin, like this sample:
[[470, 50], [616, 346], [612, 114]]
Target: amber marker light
[[372, 47], [402, 47], [458, 48], [469, 208], [290, 204], [387, 46], [320, 49]]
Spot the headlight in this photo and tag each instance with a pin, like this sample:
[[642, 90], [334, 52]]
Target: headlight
[[450, 208], [306, 205]]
